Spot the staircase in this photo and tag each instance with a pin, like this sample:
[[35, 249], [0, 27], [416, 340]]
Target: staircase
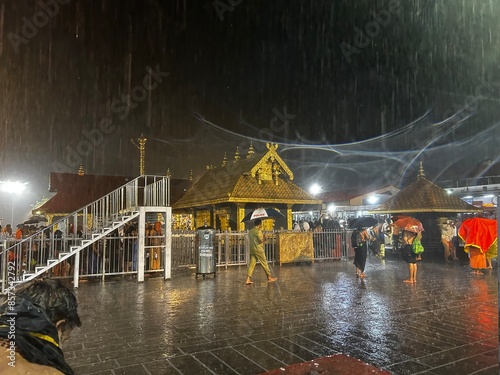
[[37, 254], [76, 249]]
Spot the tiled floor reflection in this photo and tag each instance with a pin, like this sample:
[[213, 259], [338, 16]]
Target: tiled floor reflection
[[446, 323]]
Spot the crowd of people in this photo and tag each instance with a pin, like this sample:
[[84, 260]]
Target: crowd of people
[[22, 231], [408, 244], [117, 252]]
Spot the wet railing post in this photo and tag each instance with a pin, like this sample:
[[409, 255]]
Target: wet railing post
[[76, 271], [227, 248], [167, 256], [141, 240], [5, 258]]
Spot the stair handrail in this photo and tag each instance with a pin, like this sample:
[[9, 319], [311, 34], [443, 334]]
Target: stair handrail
[[99, 214], [132, 183]]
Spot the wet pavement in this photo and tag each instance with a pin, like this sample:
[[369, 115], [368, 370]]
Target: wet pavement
[[446, 323]]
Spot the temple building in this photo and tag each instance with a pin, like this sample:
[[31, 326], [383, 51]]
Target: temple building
[[428, 203], [224, 195]]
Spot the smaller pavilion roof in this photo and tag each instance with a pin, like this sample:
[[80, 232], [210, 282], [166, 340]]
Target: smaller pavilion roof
[[424, 196]]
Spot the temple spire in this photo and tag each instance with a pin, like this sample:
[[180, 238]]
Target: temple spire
[[421, 171], [250, 150], [142, 152]]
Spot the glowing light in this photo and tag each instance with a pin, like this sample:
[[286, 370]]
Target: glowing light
[[331, 208], [13, 187], [372, 199], [315, 189]]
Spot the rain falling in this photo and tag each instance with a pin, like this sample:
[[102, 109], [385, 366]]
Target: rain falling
[[354, 93]]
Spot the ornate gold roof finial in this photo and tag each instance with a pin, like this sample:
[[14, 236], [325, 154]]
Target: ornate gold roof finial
[[81, 172], [168, 174], [272, 146], [191, 175], [250, 150], [142, 151], [224, 160], [421, 171], [237, 154]]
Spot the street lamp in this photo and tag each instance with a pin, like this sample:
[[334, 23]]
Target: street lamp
[[11, 187]]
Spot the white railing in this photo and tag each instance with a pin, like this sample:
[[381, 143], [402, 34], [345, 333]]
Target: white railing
[[156, 193], [46, 245], [117, 255]]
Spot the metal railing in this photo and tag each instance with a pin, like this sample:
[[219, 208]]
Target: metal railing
[[157, 191], [232, 248], [471, 181], [116, 254], [46, 244]]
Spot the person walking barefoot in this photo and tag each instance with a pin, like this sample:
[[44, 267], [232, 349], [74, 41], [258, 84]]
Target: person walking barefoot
[[409, 256], [257, 239], [359, 241]]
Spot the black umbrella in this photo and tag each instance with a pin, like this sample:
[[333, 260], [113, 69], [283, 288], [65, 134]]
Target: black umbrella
[[262, 213], [363, 222], [35, 219]]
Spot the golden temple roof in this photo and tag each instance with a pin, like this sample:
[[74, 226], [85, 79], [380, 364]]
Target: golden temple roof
[[424, 196], [257, 178]]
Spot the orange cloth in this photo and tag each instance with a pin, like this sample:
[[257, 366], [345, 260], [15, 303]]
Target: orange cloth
[[479, 233], [477, 259], [158, 228]]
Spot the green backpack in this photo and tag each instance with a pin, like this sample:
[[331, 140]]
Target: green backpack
[[417, 246]]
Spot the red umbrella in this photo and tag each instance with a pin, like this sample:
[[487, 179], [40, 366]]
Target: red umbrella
[[479, 232], [409, 224]]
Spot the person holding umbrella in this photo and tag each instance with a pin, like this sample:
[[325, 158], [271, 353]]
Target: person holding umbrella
[[412, 229], [409, 255], [359, 241], [257, 239]]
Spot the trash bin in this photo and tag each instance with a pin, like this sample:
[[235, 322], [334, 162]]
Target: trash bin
[[205, 251]]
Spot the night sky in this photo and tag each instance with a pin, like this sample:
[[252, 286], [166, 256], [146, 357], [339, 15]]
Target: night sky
[[355, 92]]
